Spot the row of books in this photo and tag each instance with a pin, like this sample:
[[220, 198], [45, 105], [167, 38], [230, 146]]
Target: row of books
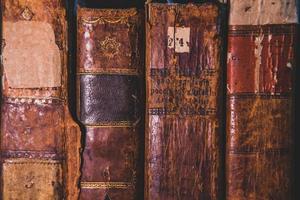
[[173, 102]]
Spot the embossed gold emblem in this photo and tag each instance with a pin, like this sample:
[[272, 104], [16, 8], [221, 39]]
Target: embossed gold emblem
[[110, 47], [27, 14]]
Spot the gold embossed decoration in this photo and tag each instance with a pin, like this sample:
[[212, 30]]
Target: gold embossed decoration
[[111, 17], [106, 185], [110, 47], [27, 14], [108, 20]]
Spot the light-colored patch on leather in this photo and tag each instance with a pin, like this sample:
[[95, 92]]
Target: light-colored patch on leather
[[179, 39], [32, 179], [31, 57], [260, 12]]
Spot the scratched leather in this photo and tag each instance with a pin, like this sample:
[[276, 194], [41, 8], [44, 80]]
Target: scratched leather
[[260, 117], [110, 103], [184, 101], [40, 142], [274, 74]]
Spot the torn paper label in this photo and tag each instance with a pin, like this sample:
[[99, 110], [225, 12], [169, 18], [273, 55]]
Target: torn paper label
[[31, 57], [179, 39]]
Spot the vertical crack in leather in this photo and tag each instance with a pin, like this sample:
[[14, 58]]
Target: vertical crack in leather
[[110, 102]]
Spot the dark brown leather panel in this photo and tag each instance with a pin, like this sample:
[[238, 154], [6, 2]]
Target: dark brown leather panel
[[107, 98], [102, 162], [184, 100], [261, 58]]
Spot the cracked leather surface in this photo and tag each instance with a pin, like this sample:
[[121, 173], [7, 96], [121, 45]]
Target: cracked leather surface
[[40, 142]]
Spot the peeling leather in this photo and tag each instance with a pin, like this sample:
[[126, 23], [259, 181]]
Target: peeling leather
[[40, 143], [260, 102]]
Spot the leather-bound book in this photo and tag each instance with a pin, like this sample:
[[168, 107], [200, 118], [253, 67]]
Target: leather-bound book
[[260, 110], [40, 143], [184, 102], [187, 1], [113, 4], [110, 103]]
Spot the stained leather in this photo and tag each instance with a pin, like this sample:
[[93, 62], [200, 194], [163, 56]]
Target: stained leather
[[260, 116], [184, 101], [110, 102], [40, 143]]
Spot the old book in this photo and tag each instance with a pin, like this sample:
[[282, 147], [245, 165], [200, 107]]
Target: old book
[[260, 110], [40, 142], [111, 3], [184, 102], [186, 1], [110, 103]]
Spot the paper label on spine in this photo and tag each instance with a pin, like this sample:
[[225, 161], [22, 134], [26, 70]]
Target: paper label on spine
[[179, 39], [31, 57]]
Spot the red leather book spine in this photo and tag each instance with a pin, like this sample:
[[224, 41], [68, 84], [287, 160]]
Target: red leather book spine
[[260, 109]]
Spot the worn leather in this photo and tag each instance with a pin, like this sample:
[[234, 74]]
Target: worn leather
[[263, 12], [260, 112], [40, 143], [110, 102], [112, 95], [184, 102]]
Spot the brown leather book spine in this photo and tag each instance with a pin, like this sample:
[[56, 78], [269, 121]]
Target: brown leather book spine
[[184, 102], [110, 103], [39, 141], [260, 110]]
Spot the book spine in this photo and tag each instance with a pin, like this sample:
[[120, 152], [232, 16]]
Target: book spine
[[39, 141], [184, 102], [110, 103], [260, 93]]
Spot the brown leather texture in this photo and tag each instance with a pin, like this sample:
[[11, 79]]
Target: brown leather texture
[[110, 102], [184, 102], [40, 143], [260, 112]]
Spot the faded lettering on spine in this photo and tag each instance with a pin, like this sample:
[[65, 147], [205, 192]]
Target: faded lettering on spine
[[183, 130]]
